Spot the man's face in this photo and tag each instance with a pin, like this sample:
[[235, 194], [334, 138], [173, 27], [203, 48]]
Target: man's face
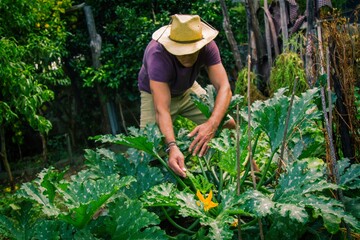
[[189, 59]]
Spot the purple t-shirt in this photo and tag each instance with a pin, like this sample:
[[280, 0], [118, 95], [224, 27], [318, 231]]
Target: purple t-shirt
[[160, 65]]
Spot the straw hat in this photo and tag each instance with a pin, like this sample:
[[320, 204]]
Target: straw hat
[[185, 35]]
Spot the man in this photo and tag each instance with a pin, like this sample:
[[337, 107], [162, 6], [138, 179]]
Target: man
[[172, 62]]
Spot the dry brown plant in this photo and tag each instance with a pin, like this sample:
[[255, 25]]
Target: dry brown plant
[[342, 39]]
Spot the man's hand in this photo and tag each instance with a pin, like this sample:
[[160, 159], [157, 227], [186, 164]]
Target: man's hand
[[176, 161], [203, 134]]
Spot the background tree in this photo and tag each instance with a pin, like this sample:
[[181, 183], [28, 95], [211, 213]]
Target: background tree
[[31, 44]]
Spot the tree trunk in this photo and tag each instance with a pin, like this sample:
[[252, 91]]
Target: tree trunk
[[95, 45], [44, 149], [284, 21], [273, 34], [268, 37], [230, 36], [260, 63], [4, 156]]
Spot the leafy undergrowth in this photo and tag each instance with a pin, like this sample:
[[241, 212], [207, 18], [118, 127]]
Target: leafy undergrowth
[[134, 194]]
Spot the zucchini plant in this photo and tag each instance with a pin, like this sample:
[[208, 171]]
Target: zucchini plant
[[134, 194]]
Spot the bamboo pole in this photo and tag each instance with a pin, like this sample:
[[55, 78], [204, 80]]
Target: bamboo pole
[[238, 165], [251, 160]]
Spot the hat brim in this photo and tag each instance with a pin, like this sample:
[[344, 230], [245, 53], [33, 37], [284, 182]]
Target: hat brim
[[176, 48]]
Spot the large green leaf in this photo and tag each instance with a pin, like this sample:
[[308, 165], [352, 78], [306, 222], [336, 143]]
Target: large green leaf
[[129, 220], [257, 203], [161, 195], [147, 139], [103, 161], [21, 225], [43, 190], [301, 191], [300, 181], [130, 163], [86, 194], [271, 115], [48, 230], [225, 143], [349, 174]]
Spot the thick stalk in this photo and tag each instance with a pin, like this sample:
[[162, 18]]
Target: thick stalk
[[175, 224], [273, 32], [281, 158], [265, 170], [177, 178], [221, 183], [202, 168]]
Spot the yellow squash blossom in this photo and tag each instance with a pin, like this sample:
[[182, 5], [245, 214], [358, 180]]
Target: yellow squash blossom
[[208, 204], [235, 222]]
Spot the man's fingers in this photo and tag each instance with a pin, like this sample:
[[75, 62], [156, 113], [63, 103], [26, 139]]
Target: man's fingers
[[200, 147], [181, 171], [204, 150]]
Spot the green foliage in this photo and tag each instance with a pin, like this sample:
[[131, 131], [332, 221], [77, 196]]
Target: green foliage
[[302, 195], [206, 102], [133, 183], [270, 116], [76, 200], [133, 222], [288, 65], [31, 45]]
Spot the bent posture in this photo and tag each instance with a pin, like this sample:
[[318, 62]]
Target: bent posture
[[171, 64]]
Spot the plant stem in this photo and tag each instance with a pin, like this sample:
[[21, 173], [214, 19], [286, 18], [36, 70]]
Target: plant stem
[[221, 182], [194, 224], [202, 168], [266, 169], [281, 158], [175, 224]]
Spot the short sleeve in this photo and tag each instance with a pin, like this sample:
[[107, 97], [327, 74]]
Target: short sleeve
[[158, 66], [211, 54]]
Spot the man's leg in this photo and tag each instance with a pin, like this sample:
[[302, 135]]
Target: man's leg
[[188, 108], [147, 110]]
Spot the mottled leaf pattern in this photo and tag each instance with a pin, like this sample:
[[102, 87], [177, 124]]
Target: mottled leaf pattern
[[270, 115], [161, 195], [129, 220], [225, 144], [300, 190], [349, 174]]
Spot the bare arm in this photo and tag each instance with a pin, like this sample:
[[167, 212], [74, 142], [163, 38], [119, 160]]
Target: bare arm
[[162, 99], [206, 131]]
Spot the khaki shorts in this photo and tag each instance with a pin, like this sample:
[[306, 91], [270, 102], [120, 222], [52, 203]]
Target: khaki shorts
[[180, 105]]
